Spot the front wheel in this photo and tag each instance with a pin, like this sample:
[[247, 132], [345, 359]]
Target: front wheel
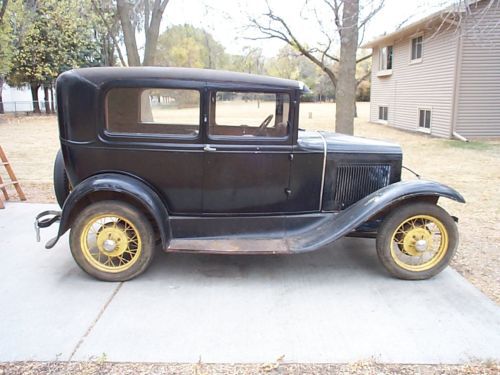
[[417, 241], [112, 241]]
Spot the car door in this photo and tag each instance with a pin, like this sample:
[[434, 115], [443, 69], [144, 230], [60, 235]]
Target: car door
[[153, 132], [247, 152]]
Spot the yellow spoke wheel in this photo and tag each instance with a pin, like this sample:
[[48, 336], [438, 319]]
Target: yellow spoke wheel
[[112, 240], [419, 243], [110, 243], [416, 241]]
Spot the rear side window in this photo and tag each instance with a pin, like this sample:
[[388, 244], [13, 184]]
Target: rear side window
[[171, 112]]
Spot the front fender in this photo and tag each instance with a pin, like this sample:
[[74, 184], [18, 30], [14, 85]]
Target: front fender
[[340, 224], [134, 188]]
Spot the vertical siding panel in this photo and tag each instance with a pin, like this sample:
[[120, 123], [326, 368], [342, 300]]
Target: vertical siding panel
[[478, 99]]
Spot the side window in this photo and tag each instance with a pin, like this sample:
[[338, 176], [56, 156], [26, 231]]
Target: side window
[[174, 112], [385, 58], [249, 114], [424, 119], [416, 48], [383, 113]]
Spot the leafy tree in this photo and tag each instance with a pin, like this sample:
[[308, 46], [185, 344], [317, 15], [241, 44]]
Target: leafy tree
[[252, 61], [53, 36], [5, 47], [189, 46]]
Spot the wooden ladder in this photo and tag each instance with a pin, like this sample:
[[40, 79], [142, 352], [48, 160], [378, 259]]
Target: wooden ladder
[[13, 180]]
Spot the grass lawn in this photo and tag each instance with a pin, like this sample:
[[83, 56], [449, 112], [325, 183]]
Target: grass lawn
[[472, 168]]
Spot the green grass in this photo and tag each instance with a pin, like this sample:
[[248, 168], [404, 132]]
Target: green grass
[[475, 145]]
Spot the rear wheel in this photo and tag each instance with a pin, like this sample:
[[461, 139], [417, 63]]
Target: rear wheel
[[62, 186], [112, 241], [417, 241]]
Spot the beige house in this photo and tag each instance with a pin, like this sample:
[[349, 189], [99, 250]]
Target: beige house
[[441, 75]]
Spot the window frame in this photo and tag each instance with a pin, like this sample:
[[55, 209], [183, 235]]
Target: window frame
[[417, 60], [110, 136], [381, 120], [386, 68], [423, 128], [223, 139]]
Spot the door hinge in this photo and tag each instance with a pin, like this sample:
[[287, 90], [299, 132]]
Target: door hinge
[[288, 192], [290, 157]]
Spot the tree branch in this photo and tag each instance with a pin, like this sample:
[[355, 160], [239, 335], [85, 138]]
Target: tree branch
[[363, 58], [111, 35], [365, 76], [289, 37], [123, 7], [3, 8]]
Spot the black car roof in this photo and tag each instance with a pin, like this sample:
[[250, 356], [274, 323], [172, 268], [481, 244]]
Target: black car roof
[[99, 76]]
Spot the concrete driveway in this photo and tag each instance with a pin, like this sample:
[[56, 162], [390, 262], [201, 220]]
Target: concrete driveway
[[334, 305]]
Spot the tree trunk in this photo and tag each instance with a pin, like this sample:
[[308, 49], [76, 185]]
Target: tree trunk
[[152, 32], [46, 98], [1, 100], [34, 97], [128, 29], [52, 107], [346, 79]]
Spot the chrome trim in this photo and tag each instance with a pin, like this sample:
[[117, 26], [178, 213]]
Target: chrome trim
[[324, 171]]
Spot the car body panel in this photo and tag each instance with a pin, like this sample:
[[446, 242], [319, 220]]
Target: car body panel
[[300, 191], [131, 187]]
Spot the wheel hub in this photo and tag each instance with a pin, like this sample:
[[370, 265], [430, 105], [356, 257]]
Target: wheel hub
[[417, 241], [109, 245], [421, 245], [112, 241]]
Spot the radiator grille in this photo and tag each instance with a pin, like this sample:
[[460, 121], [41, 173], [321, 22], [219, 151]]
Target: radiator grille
[[356, 181]]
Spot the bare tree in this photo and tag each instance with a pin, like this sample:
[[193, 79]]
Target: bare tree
[[334, 19], [346, 85], [152, 16], [111, 21], [3, 8]]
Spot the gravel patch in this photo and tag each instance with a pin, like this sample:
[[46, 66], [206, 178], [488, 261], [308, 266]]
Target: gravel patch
[[368, 368]]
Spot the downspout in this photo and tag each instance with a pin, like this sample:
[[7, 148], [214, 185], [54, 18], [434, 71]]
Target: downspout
[[460, 137], [456, 86]]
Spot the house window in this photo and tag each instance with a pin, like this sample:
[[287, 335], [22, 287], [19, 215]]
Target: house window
[[416, 48], [424, 119], [385, 58], [382, 113]]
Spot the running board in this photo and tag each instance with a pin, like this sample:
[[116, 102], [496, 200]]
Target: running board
[[229, 246]]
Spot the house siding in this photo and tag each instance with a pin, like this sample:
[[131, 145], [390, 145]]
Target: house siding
[[427, 85], [478, 97]]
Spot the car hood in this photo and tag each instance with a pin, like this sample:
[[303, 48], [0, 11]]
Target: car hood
[[340, 143]]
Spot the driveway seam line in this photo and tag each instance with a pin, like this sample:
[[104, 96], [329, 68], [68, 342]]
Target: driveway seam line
[[94, 322]]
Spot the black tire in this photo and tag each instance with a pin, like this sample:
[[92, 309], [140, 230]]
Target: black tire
[[393, 221], [134, 217], [61, 181]]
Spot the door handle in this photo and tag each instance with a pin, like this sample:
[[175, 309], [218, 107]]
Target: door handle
[[209, 148]]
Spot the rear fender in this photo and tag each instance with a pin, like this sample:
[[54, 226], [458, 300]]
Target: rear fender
[[104, 186], [340, 224]]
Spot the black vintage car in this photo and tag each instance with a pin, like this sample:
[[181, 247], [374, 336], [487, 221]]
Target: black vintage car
[[211, 161]]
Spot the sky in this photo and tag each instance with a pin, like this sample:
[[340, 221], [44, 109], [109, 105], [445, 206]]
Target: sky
[[225, 19]]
